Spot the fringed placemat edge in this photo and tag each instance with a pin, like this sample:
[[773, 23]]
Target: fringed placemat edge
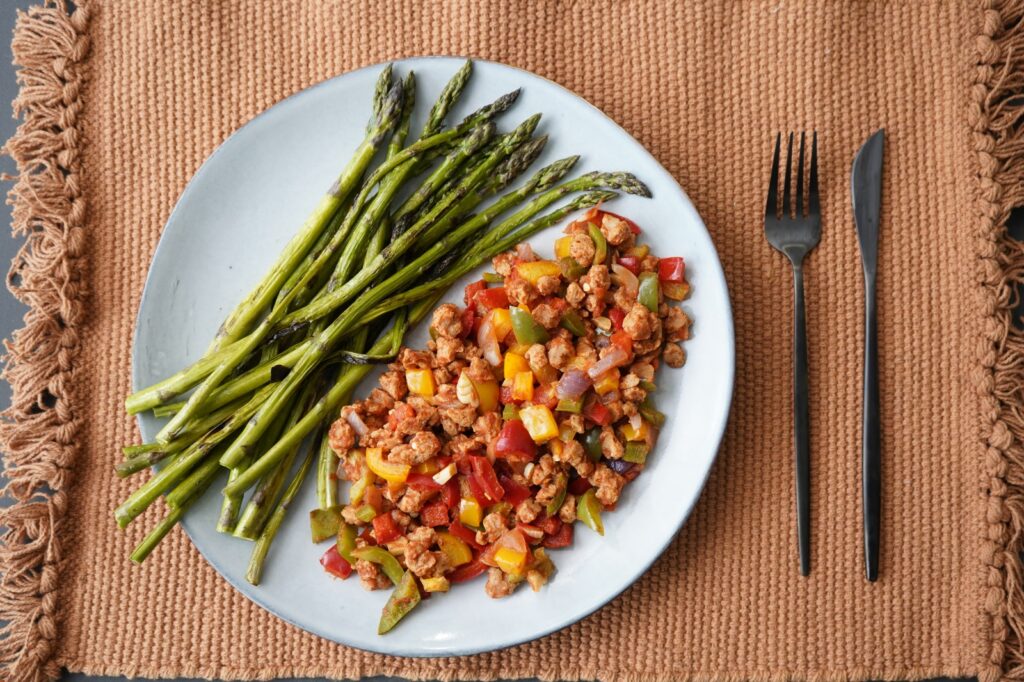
[[997, 101], [38, 431]]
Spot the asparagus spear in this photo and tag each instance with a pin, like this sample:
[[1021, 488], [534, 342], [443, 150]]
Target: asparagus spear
[[254, 571], [328, 303], [241, 319], [170, 475]]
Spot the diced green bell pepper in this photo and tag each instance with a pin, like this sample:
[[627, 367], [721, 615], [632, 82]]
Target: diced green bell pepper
[[383, 558], [600, 243], [403, 600], [650, 291], [592, 443], [649, 412], [571, 268], [324, 523], [366, 513], [572, 321], [562, 483], [636, 452], [573, 405], [493, 278], [510, 411], [500, 508], [527, 329], [588, 510], [648, 386], [347, 542]]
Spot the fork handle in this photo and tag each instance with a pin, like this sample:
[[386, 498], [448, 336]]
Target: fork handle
[[801, 422], [872, 439]]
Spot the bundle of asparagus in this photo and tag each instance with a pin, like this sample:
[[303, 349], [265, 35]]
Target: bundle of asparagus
[[362, 269]]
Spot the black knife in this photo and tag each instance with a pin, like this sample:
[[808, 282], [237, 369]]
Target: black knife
[[867, 203]]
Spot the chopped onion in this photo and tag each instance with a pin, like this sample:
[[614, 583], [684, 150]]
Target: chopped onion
[[635, 421], [356, 422], [487, 339], [572, 385], [465, 391], [446, 474], [525, 252], [615, 357], [628, 280], [619, 466]]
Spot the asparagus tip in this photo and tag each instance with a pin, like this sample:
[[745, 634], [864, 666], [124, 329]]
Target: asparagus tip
[[552, 173]]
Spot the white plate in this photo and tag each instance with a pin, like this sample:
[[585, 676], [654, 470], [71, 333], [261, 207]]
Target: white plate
[[244, 204]]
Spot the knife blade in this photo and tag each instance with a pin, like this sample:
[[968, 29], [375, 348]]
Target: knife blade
[[866, 191]]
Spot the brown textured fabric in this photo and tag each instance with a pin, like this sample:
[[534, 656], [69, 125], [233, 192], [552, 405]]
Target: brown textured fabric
[[122, 101]]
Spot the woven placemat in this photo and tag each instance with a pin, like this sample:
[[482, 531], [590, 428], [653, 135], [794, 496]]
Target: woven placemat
[[122, 101]]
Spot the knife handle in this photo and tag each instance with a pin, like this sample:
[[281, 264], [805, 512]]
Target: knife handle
[[801, 423], [872, 440]]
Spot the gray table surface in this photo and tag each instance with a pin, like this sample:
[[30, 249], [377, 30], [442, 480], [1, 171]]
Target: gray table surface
[[11, 310]]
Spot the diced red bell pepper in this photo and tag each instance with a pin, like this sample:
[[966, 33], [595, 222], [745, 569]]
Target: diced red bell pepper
[[514, 441], [467, 571], [483, 473], [549, 524], [476, 490], [631, 263], [563, 538], [468, 321], [514, 492], [579, 485], [486, 556], [617, 317], [623, 341], [597, 413], [385, 529], [367, 535], [671, 269], [450, 493], [489, 299], [422, 482], [335, 564], [472, 289], [465, 534], [546, 394], [434, 514]]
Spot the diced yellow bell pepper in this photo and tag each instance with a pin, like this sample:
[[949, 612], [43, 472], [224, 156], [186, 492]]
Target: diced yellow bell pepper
[[522, 386], [556, 446], [566, 433], [519, 349], [636, 434], [421, 382], [456, 549], [539, 422], [534, 270], [607, 382], [430, 467], [501, 321], [394, 473], [514, 364], [562, 245], [487, 393], [578, 362], [438, 584], [470, 512], [510, 561], [639, 251]]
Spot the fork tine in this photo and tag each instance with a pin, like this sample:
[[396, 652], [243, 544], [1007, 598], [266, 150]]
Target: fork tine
[[799, 208], [787, 210], [772, 207], [813, 203]]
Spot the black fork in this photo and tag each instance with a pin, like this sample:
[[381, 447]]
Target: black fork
[[795, 229]]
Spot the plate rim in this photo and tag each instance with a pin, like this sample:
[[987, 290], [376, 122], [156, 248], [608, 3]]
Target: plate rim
[[718, 432]]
